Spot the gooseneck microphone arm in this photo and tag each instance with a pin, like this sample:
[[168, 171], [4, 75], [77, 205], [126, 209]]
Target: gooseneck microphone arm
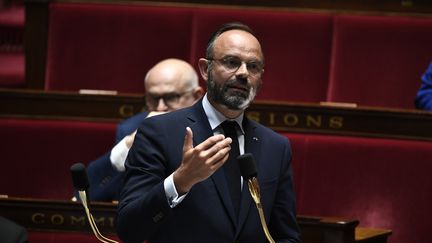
[[81, 184], [249, 172]]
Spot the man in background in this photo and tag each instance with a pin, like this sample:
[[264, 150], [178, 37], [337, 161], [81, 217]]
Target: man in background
[[171, 84], [424, 94]]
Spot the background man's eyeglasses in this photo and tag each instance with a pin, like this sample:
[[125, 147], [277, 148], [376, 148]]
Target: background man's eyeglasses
[[232, 64], [169, 99]]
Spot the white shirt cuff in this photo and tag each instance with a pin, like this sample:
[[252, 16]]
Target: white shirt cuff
[[171, 192], [118, 155]]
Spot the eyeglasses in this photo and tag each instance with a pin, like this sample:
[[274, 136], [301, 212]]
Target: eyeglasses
[[169, 99], [233, 63]]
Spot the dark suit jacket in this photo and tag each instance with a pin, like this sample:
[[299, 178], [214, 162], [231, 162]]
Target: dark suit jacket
[[206, 214], [105, 181], [10, 232]]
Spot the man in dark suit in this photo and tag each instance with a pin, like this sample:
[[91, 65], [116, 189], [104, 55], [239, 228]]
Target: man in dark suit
[[169, 85], [180, 184], [423, 99]]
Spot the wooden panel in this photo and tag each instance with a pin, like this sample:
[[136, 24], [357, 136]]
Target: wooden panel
[[281, 116], [60, 216], [351, 121], [68, 105], [67, 216]]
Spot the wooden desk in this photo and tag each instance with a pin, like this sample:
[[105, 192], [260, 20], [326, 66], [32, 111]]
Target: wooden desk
[[67, 216], [280, 116]]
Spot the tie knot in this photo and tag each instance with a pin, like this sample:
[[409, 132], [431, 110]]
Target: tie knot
[[230, 128]]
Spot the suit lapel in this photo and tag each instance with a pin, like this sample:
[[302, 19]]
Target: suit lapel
[[252, 145], [199, 124], [201, 131]]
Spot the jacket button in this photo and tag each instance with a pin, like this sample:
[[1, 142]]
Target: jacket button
[[158, 217]]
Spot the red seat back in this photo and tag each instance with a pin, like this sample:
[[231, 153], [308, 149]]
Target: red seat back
[[37, 154], [111, 47], [378, 61], [296, 47], [383, 183]]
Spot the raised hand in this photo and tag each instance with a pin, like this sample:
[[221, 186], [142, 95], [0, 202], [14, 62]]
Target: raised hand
[[200, 162]]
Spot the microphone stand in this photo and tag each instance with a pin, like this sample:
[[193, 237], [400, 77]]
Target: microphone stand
[[81, 184], [90, 218], [254, 190]]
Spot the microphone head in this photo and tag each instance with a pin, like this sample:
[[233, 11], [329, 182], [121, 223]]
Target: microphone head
[[247, 166], [79, 177]]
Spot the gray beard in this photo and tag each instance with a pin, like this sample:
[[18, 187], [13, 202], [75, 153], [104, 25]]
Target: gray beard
[[232, 100]]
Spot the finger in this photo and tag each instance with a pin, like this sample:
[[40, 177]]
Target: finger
[[219, 159], [210, 142], [188, 144], [219, 151], [214, 149]]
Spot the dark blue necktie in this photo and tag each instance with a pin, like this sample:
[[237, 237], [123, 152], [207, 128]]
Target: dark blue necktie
[[231, 168]]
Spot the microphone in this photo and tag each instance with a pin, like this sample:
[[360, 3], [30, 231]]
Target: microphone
[[80, 180], [249, 173], [81, 184]]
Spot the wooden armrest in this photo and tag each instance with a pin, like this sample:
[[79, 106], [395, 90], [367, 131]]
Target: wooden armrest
[[371, 235]]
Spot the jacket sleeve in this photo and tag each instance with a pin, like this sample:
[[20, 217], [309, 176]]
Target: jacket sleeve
[[105, 182], [143, 205]]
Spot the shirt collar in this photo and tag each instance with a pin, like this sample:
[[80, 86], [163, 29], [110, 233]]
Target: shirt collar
[[215, 118]]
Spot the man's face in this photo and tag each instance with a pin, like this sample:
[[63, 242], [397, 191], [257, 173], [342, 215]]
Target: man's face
[[168, 94], [234, 74]]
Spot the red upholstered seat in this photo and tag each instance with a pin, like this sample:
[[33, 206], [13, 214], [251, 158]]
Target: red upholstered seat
[[37, 154], [12, 47], [384, 183], [296, 47], [111, 47], [12, 16], [298, 147], [378, 61], [12, 69], [91, 46], [310, 57]]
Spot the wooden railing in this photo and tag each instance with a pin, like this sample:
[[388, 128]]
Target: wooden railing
[[68, 216], [280, 116]]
